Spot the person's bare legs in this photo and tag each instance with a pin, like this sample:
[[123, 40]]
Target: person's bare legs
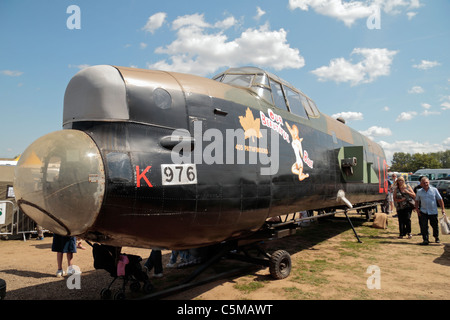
[[59, 259], [69, 259]]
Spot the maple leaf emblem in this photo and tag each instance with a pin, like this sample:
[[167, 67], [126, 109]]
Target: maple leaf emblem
[[251, 125]]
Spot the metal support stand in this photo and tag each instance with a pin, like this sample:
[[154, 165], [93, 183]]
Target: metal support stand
[[351, 224], [189, 281]]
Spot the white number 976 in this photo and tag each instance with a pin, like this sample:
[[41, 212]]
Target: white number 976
[[175, 174]]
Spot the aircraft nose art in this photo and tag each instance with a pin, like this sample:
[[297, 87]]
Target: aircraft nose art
[[60, 182]]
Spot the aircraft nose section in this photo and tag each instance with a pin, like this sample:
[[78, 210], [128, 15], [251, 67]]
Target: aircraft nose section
[[59, 182]]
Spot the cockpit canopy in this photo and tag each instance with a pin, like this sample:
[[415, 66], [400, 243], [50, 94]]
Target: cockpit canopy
[[271, 88]]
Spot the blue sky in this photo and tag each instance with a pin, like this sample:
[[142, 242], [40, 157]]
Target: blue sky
[[384, 65]]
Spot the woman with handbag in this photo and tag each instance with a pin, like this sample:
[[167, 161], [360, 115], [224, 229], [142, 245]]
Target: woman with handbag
[[404, 201]]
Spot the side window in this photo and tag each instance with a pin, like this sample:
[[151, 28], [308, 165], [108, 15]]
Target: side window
[[294, 102], [313, 108], [277, 93], [242, 80], [261, 87], [310, 106], [306, 105], [119, 167]]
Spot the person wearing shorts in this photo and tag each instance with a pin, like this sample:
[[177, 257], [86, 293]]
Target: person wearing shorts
[[61, 245]]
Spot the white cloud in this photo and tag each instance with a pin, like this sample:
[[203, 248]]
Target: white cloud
[[446, 104], [155, 22], [430, 113], [375, 63], [446, 142], [425, 65], [411, 15], [375, 131], [386, 108], [412, 147], [349, 115], [416, 89], [406, 116], [202, 48], [352, 10], [192, 21], [427, 111], [259, 13], [11, 73], [348, 12], [395, 6], [225, 24], [79, 66], [415, 4]]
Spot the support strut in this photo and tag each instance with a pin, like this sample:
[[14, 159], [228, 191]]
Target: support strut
[[351, 224], [189, 281]]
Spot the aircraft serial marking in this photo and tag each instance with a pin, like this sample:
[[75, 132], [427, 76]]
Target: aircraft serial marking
[[178, 174]]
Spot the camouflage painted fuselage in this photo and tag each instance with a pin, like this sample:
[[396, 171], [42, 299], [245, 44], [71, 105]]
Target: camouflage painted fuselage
[[188, 161]]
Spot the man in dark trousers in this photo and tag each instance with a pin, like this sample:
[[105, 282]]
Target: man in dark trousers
[[426, 208]]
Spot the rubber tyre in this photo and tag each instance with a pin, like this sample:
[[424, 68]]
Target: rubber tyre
[[280, 264], [135, 286], [105, 294], [120, 295], [148, 287]]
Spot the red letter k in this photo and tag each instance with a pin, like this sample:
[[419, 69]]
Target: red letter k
[[142, 175]]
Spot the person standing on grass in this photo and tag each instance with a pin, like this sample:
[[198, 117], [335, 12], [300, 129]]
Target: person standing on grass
[[402, 193], [67, 245], [426, 208]]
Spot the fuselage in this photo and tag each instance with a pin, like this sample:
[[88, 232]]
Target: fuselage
[[169, 160]]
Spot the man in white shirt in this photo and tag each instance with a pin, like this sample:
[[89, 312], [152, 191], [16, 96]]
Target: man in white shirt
[[426, 208]]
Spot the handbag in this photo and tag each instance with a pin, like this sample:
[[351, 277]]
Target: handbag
[[409, 200], [445, 224]]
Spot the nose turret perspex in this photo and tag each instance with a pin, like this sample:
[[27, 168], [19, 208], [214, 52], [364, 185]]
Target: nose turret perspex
[[59, 182]]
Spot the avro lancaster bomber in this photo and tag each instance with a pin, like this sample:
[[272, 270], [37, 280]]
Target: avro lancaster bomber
[[158, 159]]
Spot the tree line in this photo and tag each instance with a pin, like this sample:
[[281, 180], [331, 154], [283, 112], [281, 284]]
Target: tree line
[[406, 162]]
